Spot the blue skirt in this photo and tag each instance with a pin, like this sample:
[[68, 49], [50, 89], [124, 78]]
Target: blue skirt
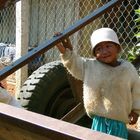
[[109, 126]]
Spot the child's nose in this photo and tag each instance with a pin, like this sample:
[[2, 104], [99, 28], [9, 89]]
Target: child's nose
[[104, 51]]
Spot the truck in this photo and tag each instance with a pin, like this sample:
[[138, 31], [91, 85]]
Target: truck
[[51, 91]]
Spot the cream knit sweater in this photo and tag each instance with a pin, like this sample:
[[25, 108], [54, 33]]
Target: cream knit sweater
[[6, 98], [111, 92]]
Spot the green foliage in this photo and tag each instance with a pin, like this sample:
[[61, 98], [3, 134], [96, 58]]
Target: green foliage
[[138, 23], [135, 51]]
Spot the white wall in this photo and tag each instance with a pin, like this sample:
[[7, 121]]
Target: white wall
[[22, 39]]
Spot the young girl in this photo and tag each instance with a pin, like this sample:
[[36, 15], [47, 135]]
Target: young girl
[[111, 86]]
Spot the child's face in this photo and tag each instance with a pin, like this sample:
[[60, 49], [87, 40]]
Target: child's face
[[107, 52]]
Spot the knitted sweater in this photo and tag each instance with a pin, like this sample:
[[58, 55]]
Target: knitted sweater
[[111, 92], [6, 98]]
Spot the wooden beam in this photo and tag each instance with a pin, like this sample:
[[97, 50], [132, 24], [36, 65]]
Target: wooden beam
[[20, 124]]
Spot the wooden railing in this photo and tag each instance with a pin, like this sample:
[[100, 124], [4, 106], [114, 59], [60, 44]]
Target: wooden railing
[[20, 124]]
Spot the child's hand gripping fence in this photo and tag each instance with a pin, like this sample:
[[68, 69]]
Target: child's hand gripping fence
[[66, 42]]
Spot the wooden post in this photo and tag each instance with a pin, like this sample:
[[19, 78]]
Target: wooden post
[[22, 33]]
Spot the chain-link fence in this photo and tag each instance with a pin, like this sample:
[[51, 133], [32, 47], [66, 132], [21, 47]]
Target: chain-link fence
[[49, 16], [7, 42], [7, 25]]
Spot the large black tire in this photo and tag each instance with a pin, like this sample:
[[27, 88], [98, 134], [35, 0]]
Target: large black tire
[[47, 91]]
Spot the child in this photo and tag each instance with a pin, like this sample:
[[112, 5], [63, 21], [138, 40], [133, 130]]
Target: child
[[111, 86], [5, 97]]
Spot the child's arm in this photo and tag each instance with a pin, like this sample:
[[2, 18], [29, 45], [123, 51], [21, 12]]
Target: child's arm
[[133, 117], [6, 98], [135, 98], [61, 48], [65, 44], [73, 62]]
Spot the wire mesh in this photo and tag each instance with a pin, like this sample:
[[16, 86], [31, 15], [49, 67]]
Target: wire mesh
[[7, 25], [49, 16]]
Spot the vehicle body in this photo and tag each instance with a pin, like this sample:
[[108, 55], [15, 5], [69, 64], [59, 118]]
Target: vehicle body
[[63, 99]]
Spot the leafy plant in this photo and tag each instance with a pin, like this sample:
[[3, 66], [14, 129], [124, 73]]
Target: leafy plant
[[138, 22], [135, 51]]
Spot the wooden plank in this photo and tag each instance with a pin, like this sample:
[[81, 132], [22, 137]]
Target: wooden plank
[[20, 124]]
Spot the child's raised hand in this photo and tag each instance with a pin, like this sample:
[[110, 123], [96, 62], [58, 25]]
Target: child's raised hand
[[60, 46], [65, 43], [133, 117]]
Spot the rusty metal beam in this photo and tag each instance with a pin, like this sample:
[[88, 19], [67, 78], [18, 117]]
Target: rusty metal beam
[[20, 124], [48, 44]]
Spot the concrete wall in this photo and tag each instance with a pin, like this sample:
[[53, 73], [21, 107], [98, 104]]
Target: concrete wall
[[22, 39]]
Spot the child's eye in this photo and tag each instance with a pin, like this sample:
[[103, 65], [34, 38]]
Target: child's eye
[[110, 45], [98, 49]]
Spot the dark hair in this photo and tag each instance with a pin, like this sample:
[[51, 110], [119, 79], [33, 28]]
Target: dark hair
[[119, 47]]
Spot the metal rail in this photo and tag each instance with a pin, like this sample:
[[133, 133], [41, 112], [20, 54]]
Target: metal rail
[[48, 44]]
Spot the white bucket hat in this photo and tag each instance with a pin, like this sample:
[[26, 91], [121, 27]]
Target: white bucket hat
[[103, 34]]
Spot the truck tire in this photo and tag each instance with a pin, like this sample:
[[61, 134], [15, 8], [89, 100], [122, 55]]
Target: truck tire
[[47, 91]]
